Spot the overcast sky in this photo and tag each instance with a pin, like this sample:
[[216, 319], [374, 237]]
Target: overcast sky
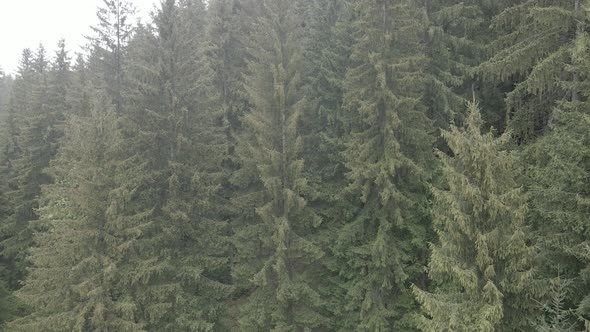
[[26, 23]]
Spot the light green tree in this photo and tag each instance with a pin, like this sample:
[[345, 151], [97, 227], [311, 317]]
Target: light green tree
[[482, 263]]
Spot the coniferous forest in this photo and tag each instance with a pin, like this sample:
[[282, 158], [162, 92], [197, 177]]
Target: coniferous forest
[[302, 165]]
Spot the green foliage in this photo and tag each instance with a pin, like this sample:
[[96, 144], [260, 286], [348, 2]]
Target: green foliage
[[481, 263], [557, 317], [266, 166], [227, 39], [558, 175], [168, 201], [387, 155], [275, 251], [328, 45], [109, 46], [26, 153], [533, 52], [80, 89], [75, 258]]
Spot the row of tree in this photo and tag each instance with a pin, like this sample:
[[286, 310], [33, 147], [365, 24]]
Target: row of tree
[[302, 165]]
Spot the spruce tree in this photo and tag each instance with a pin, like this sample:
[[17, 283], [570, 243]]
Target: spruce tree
[[176, 265], [4, 92], [227, 33], [381, 245], [482, 261], [58, 89], [275, 254], [26, 154], [558, 318], [532, 53], [451, 51], [8, 305], [108, 47], [328, 45], [558, 174], [71, 284], [80, 91]]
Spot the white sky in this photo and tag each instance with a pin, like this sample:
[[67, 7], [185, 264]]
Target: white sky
[[26, 23]]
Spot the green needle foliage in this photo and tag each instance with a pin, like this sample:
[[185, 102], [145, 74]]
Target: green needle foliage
[[533, 52], [297, 165], [386, 154], [167, 201], [558, 173], [274, 243], [482, 262], [70, 284]]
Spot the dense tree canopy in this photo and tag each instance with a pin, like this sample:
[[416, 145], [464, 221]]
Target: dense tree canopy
[[301, 165]]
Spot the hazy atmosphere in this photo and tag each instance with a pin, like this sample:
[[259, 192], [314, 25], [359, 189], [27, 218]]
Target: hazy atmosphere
[[295, 166], [28, 23]]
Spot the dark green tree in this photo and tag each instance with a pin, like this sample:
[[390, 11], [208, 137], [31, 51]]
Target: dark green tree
[[328, 45], [176, 266], [71, 284], [5, 88], [381, 246], [532, 52], [59, 86], [8, 305], [227, 35], [26, 154], [108, 47], [276, 253], [558, 172]]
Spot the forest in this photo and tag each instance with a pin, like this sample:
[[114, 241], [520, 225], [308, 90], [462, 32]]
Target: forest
[[302, 166]]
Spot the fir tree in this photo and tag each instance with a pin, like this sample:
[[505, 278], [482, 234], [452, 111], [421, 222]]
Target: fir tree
[[227, 33], [275, 254], [80, 92], [558, 176], [108, 46], [5, 87], [451, 51], [71, 284], [482, 262], [557, 317], [176, 250], [26, 154], [328, 45], [533, 53], [8, 306], [380, 246], [59, 85]]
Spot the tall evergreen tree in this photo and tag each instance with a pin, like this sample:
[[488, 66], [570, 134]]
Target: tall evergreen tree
[[558, 171], [533, 53], [31, 142], [4, 92], [275, 251], [328, 45], [380, 246], [176, 267], [58, 89], [452, 51], [26, 155], [482, 262], [108, 46], [227, 35], [8, 306], [80, 92], [74, 262]]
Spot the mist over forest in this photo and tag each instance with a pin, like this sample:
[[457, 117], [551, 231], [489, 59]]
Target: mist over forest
[[301, 166]]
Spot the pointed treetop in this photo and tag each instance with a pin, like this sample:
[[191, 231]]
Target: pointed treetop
[[26, 62]]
